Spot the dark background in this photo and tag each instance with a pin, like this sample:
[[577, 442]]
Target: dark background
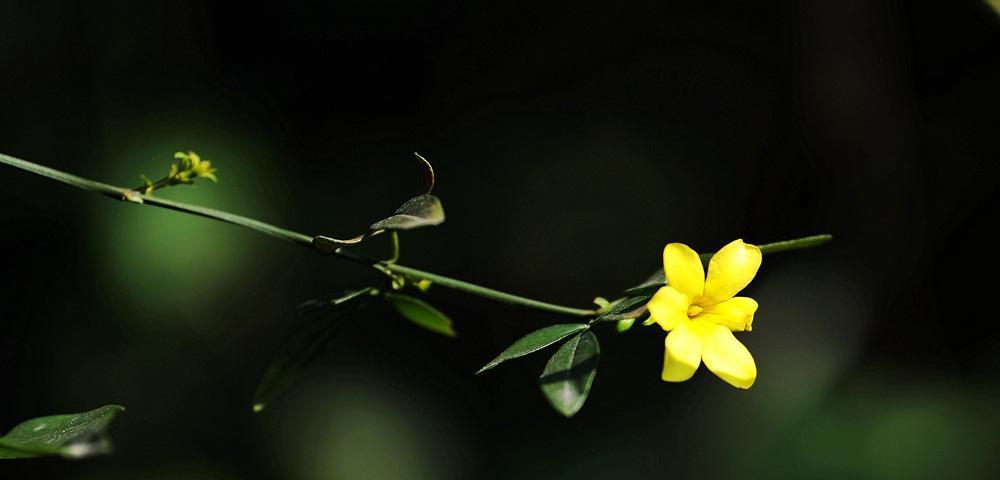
[[571, 141]]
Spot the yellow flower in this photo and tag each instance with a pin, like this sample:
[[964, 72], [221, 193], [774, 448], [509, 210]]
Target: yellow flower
[[701, 313], [192, 164]]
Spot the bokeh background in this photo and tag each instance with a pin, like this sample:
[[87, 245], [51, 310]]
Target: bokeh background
[[572, 141]]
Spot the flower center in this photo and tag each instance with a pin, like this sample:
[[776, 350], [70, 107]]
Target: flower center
[[693, 311]]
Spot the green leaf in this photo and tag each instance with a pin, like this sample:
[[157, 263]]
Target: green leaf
[[535, 341], [420, 313], [648, 286], [570, 372], [75, 435], [644, 289], [623, 308], [420, 211], [317, 308], [306, 343]]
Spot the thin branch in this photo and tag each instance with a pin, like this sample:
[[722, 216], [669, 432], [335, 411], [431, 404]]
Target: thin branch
[[487, 292], [130, 195]]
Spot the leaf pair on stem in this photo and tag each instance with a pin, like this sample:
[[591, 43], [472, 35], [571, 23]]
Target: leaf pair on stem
[[570, 371]]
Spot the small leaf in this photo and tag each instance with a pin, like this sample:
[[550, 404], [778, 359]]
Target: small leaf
[[76, 435], [570, 372], [313, 309], [648, 286], [628, 307], [420, 211], [424, 210], [306, 343], [535, 341], [420, 313], [644, 289]]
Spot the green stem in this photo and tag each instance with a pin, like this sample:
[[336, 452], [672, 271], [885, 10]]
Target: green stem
[[784, 245], [79, 182], [389, 266], [486, 292], [130, 195], [461, 286], [126, 194], [394, 235], [265, 228], [795, 244]]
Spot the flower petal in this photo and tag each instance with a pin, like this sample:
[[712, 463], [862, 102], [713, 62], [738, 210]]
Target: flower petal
[[726, 357], [731, 270], [668, 307], [682, 353], [735, 313], [683, 269]]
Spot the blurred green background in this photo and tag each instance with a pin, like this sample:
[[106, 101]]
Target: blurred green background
[[571, 142]]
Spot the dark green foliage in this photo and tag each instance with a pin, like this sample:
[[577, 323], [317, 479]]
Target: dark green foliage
[[535, 341], [421, 313], [75, 435], [570, 372], [324, 319]]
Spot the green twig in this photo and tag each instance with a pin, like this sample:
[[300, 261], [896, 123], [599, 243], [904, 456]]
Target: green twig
[[388, 266], [79, 182], [785, 245], [126, 194], [130, 195], [486, 292], [394, 235], [265, 228]]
